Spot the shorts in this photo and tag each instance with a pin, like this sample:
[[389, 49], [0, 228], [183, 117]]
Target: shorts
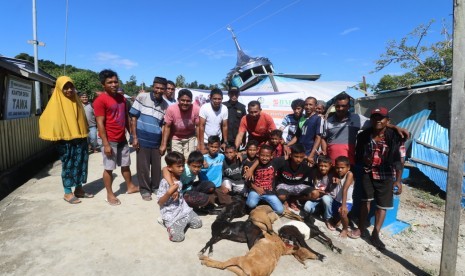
[[378, 190], [196, 199], [120, 157], [236, 187], [293, 190], [336, 205]]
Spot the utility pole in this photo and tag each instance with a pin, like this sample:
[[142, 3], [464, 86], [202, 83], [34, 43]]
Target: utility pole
[[36, 44], [456, 146]]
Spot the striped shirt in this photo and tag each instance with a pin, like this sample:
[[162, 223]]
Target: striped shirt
[[149, 113]]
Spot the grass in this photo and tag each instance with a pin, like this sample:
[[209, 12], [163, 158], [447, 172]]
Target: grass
[[431, 198]]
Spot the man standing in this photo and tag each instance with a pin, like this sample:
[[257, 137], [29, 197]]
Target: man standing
[[92, 137], [181, 124], [308, 131], [380, 152], [258, 125], [112, 122], [213, 120], [340, 130], [147, 120], [236, 111], [168, 95]]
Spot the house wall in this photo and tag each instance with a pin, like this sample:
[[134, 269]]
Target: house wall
[[435, 99]]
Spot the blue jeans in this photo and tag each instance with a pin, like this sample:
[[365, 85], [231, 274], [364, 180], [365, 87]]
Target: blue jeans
[[326, 201], [253, 198], [92, 138]]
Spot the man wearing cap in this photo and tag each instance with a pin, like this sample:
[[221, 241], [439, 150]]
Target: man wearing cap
[[147, 114], [236, 111], [380, 151], [92, 137]]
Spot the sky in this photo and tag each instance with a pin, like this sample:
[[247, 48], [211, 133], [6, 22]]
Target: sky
[[341, 40]]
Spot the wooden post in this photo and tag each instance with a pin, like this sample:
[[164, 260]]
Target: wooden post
[[456, 147]]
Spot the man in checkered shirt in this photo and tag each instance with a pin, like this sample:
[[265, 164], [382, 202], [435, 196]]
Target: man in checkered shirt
[[380, 151]]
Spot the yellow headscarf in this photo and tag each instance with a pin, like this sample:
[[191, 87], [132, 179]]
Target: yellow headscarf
[[63, 118]]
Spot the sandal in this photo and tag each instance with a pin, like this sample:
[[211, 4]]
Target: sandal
[[73, 200], [353, 235], [146, 197], [116, 203], [84, 195]]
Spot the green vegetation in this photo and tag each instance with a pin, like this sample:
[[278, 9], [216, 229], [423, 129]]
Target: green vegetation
[[429, 197], [426, 63]]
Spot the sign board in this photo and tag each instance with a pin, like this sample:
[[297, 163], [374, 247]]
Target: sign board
[[18, 98]]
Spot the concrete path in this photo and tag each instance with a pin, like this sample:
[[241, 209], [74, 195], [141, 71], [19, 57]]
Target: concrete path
[[41, 234]]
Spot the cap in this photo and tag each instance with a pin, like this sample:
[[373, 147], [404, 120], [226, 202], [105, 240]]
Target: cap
[[234, 89], [381, 111]]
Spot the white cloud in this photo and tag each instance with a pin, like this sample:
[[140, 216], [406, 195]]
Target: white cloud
[[215, 54], [110, 59], [348, 31]]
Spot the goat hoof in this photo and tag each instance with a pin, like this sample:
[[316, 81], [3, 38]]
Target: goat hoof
[[210, 254], [322, 258]]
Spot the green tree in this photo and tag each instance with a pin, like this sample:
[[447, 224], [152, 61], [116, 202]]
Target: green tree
[[425, 63], [390, 82], [180, 81], [86, 81], [131, 87]]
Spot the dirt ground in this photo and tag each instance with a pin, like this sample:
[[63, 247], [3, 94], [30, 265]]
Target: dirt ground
[[41, 234]]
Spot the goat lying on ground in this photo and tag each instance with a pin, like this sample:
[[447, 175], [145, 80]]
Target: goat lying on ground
[[236, 209], [318, 235], [315, 232], [292, 234], [238, 231], [263, 216], [260, 260]]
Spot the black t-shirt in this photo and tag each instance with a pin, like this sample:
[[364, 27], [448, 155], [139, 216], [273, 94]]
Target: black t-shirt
[[233, 170], [285, 174], [235, 113]]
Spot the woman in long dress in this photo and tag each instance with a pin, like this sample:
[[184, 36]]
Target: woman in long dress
[[64, 121]]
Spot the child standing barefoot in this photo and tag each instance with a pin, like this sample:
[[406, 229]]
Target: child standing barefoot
[[342, 194], [175, 212]]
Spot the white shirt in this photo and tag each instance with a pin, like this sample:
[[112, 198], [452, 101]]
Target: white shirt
[[213, 120]]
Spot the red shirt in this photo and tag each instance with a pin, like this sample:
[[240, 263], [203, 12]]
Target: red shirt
[[113, 108], [258, 130]]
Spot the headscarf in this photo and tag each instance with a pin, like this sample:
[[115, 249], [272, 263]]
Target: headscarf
[[63, 118]]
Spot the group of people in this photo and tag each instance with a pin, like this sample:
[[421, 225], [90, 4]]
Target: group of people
[[312, 170]]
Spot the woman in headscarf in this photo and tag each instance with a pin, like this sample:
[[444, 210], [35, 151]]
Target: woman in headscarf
[[64, 121]]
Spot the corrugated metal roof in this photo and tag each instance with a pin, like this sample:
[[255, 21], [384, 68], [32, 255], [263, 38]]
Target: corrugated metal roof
[[419, 85], [414, 124], [430, 154]]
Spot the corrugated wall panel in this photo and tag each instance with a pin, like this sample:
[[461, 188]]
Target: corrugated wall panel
[[19, 140]]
